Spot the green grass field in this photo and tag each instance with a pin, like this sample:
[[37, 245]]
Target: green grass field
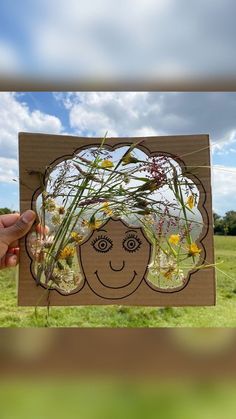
[[106, 399], [222, 315]]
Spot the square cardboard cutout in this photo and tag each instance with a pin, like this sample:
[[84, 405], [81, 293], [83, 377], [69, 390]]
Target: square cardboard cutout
[[116, 256]]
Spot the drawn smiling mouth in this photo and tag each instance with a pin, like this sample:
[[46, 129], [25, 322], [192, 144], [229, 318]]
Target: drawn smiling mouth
[[113, 287]]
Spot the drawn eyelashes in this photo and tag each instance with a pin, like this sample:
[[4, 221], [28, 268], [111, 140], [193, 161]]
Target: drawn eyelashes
[[132, 243], [103, 243]]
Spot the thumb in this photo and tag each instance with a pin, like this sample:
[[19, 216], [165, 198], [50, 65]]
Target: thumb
[[20, 228]]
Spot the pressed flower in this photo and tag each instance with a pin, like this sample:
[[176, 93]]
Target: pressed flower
[[174, 239], [190, 201], [141, 203], [149, 185], [61, 210], [63, 278], [193, 249], [56, 219], [169, 272], [107, 164], [174, 273], [149, 220], [50, 205], [56, 277], [47, 242], [60, 265], [156, 169], [93, 224], [105, 205], [44, 194], [67, 253], [128, 158], [38, 254], [106, 209], [88, 175], [166, 264], [146, 211], [82, 196], [78, 238], [160, 261], [126, 179]]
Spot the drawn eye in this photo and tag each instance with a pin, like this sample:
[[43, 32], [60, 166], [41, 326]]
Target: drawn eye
[[131, 243], [102, 244]]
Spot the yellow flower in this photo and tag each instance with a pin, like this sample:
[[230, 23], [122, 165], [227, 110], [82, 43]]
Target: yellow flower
[[193, 250], [190, 201], [174, 239], [92, 224], [150, 185], [107, 164], [76, 237], [106, 209], [67, 253], [169, 272], [128, 158]]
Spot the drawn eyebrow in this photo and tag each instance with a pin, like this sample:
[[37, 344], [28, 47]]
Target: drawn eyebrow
[[102, 229], [129, 231]]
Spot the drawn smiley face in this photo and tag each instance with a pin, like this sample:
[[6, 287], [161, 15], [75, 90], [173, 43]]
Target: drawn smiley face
[[114, 259]]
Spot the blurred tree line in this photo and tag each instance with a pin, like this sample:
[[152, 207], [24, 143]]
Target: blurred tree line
[[225, 225], [6, 211]]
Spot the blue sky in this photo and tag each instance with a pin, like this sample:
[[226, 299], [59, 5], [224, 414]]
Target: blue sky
[[130, 38], [126, 40], [122, 114]]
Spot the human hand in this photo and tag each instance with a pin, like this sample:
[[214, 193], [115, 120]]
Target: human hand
[[12, 228]]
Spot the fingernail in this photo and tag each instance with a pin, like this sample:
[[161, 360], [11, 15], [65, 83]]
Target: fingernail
[[28, 216]]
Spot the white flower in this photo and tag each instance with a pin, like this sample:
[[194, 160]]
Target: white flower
[[47, 242], [166, 264]]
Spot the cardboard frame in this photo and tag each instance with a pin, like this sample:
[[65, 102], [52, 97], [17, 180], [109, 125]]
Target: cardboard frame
[[39, 151]]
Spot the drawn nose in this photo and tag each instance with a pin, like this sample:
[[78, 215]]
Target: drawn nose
[[119, 269]]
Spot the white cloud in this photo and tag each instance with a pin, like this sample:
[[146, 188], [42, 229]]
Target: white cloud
[[130, 114], [87, 122], [96, 39], [10, 62], [145, 132], [8, 170], [129, 39], [154, 113], [224, 188], [222, 147], [146, 113], [16, 117], [118, 113]]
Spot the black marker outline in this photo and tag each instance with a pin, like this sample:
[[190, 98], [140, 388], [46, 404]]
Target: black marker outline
[[134, 236], [106, 238], [149, 153]]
